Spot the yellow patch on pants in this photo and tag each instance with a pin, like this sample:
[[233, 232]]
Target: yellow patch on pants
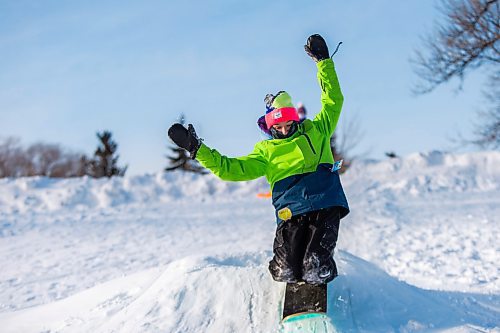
[[285, 214]]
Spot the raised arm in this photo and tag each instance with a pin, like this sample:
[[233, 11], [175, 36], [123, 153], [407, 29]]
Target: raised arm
[[331, 95], [331, 98], [247, 167]]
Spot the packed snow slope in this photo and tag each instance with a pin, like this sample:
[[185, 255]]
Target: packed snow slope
[[185, 253]]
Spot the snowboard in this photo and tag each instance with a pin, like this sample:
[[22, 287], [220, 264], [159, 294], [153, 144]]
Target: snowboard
[[302, 299]]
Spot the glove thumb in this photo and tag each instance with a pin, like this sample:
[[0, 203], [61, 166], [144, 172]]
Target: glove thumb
[[308, 51], [191, 130]]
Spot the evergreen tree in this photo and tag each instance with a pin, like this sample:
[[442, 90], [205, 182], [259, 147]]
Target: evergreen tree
[[105, 161], [181, 160]]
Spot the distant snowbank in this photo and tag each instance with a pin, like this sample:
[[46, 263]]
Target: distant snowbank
[[415, 174], [433, 214], [421, 173], [41, 194]]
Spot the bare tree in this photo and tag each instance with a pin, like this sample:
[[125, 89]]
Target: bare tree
[[70, 165], [39, 159], [487, 130], [344, 143], [43, 156], [13, 163], [469, 39]]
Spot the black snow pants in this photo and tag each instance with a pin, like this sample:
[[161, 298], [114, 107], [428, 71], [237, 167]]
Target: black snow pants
[[303, 247]]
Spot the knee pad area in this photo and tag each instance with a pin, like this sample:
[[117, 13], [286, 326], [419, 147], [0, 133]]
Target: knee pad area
[[318, 270], [282, 272]]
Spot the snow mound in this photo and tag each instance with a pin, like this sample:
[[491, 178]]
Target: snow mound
[[365, 298], [48, 194], [430, 219], [234, 293], [423, 173]]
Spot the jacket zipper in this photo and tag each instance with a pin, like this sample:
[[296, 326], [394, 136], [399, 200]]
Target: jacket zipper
[[310, 144]]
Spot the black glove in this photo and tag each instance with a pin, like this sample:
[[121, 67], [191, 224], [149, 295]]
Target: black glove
[[316, 48], [185, 138]]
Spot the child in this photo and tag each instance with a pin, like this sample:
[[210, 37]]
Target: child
[[298, 163]]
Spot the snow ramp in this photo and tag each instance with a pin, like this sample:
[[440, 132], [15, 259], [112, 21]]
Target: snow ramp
[[234, 293]]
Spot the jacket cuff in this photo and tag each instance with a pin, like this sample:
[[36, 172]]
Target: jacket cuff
[[202, 151], [324, 63]]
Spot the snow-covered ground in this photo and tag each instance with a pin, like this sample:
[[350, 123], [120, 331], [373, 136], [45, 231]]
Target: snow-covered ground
[[184, 253]]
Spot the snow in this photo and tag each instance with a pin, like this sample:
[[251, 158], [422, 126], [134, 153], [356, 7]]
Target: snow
[[185, 253]]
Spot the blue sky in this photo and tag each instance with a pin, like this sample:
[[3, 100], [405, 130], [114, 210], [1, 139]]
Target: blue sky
[[71, 68]]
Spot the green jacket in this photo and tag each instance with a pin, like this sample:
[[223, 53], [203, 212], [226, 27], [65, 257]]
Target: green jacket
[[278, 159]]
